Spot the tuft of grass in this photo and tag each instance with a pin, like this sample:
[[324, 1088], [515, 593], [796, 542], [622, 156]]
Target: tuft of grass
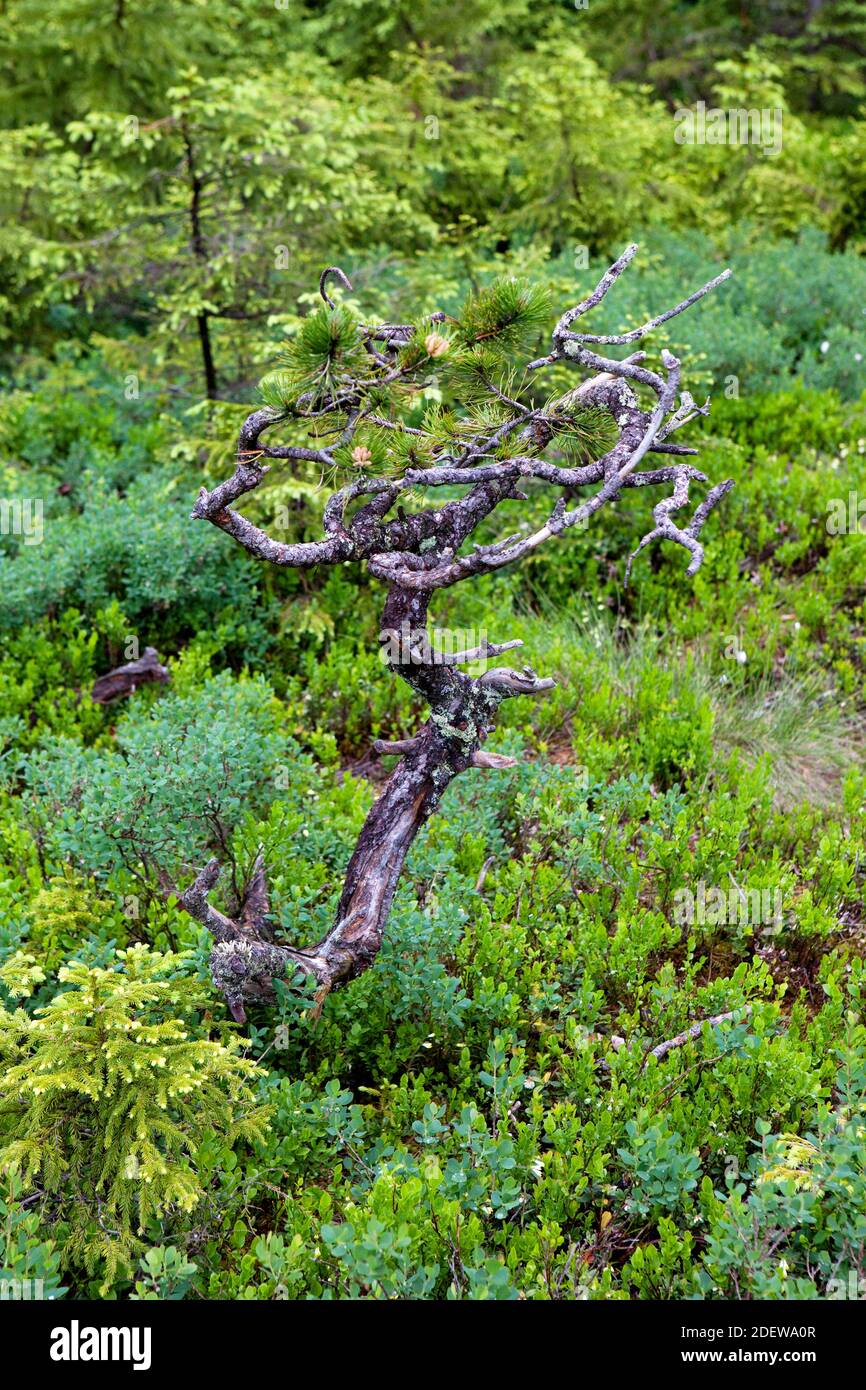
[[797, 723]]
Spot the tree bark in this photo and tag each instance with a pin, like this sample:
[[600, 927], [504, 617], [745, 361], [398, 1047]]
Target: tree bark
[[199, 248], [210, 376]]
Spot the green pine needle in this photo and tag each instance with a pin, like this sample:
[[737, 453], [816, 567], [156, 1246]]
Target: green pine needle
[[507, 313]]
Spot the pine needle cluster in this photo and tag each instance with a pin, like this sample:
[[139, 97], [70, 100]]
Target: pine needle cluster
[[425, 393]]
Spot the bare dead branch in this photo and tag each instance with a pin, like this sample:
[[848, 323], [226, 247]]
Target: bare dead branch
[[648, 327], [688, 1034], [481, 758], [123, 680], [323, 279], [400, 745], [524, 682]]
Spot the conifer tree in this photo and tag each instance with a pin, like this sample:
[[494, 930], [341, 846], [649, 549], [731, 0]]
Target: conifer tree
[[107, 1091], [341, 391]]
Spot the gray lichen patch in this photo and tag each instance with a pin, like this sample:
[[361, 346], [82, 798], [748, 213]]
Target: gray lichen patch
[[466, 735]]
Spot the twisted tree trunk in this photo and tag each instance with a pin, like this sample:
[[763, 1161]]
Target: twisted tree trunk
[[244, 961]]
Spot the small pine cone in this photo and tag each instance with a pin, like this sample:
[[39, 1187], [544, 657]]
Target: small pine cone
[[361, 456], [436, 345]]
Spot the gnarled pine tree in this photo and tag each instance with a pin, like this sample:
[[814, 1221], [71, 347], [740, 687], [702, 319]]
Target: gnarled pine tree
[[341, 383]]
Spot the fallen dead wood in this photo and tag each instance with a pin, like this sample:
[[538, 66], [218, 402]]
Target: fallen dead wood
[[124, 679]]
